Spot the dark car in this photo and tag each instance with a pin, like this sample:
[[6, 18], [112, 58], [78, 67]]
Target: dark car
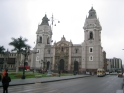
[[120, 74]]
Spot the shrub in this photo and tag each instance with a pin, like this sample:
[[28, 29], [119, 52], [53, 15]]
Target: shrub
[[54, 74], [18, 76]]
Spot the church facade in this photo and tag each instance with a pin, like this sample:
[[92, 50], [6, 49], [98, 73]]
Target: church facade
[[66, 56]]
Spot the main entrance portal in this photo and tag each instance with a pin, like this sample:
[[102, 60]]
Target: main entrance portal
[[61, 65], [76, 66], [48, 63]]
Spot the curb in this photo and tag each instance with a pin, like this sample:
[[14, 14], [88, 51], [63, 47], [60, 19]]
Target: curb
[[62, 79], [47, 81]]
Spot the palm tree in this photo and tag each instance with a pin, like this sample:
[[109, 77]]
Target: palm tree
[[2, 49], [18, 44]]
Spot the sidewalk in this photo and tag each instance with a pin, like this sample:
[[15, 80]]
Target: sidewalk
[[16, 82]]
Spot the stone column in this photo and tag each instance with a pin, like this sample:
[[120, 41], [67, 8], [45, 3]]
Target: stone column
[[69, 64]]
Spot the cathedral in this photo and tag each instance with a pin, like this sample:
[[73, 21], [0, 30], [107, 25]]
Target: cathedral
[[66, 56]]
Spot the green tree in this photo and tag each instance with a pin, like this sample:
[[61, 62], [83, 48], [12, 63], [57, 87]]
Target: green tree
[[2, 49], [19, 44]]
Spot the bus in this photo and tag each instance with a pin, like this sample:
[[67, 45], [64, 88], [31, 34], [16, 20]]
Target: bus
[[100, 72]]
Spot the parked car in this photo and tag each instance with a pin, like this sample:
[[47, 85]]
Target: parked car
[[107, 73], [120, 74]]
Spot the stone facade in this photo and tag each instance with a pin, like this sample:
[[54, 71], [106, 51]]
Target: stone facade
[[66, 56]]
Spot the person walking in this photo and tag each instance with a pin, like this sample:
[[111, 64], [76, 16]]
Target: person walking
[[5, 82], [0, 77]]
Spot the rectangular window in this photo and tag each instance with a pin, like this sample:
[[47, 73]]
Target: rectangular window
[[37, 58], [90, 49], [90, 58], [38, 50]]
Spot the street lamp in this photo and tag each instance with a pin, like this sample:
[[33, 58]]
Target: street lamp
[[53, 24], [49, 69], [25, 53]]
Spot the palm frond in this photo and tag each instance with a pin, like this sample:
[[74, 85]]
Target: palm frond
[[2, 49]]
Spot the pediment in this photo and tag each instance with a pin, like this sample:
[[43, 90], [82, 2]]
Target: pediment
[[62, 43]]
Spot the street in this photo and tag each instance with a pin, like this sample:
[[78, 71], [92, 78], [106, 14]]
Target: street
[[93, 84]]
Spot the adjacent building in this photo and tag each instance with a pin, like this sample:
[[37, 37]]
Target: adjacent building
[[114, 64]]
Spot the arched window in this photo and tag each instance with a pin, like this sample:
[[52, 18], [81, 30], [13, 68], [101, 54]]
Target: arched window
[[91, 35], [62, 48], [76, 50], [40, 40], [90, 49], [90, 58], [48, 41]]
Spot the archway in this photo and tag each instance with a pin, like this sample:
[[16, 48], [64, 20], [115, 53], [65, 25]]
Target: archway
[[91, 35], [61, 65], [48, 63], [75, 67]]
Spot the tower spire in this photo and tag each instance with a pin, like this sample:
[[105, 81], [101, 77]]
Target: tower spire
[[45, 20], [92, 13]]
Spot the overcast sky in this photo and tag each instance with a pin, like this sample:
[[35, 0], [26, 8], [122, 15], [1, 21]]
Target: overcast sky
[[21, 18]]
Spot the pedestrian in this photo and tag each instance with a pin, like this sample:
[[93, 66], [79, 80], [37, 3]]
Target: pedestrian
[[0, 77], [33, 71], [4, 73], [5, 82]]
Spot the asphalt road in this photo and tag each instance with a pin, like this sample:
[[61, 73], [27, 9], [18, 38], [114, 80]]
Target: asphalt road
[[94, 84]]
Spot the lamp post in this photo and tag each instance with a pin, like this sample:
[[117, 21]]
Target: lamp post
[[49, 69], [25, 53], [53, 23]]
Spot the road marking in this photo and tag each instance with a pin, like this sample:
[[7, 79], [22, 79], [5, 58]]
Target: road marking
[[29, 90], [51, 91]]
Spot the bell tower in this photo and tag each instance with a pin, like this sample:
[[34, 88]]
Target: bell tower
[[91, 47], [92, 28], [44, 33], [44, 36]]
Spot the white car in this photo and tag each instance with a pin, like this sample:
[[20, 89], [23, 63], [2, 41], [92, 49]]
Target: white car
[[107, 73]]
